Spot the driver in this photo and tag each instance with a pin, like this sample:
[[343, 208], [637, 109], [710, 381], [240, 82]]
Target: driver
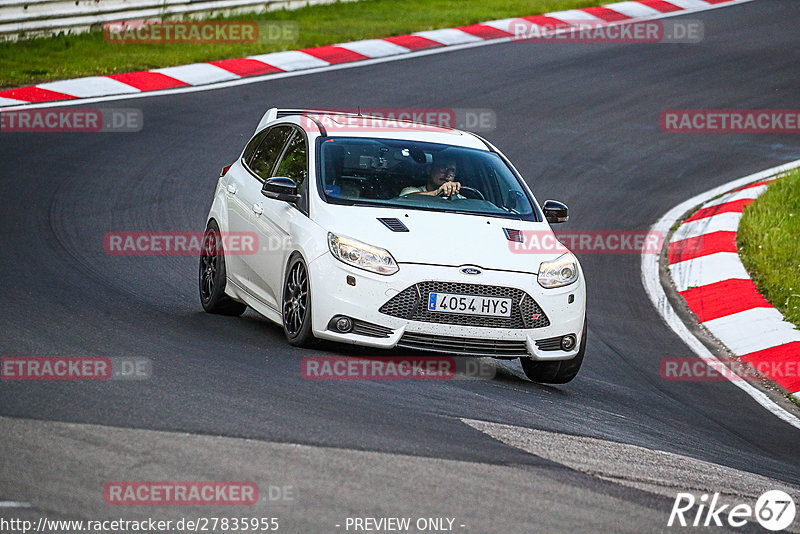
[[441, 179]]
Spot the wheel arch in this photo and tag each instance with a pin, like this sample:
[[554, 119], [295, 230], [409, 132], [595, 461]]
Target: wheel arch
[[219, 209], [292, 255]]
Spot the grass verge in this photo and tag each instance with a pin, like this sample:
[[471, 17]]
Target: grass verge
[[60, 57], [769, 244]]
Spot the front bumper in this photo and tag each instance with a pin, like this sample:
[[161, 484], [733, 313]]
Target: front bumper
[[332, 295]]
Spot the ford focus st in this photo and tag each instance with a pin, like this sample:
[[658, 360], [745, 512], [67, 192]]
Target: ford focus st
[[393, 234]]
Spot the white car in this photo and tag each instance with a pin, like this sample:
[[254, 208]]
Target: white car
[[355, 245]]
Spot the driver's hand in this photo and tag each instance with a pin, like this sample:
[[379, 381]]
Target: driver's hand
[[449, 188]]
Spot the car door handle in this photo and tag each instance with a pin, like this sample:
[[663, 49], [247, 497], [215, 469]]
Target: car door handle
[[258, 209], [231, 189]]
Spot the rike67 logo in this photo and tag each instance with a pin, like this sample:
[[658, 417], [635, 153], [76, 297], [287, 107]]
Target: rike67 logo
[[774, 510]]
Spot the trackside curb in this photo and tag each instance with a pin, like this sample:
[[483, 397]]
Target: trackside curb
[[705, 268], [707, 272]]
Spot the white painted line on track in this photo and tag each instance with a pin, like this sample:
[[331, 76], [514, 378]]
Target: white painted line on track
[[14, 504]]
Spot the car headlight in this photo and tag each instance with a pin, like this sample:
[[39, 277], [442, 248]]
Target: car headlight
[[560, 272], [361, 255]]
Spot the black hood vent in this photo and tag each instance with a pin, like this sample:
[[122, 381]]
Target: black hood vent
[[514, 235], [395, 225]]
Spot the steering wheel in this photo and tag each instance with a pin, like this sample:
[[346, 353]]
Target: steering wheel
[[471, 192]]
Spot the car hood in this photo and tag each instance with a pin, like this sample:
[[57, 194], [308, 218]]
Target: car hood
[[448, 239]]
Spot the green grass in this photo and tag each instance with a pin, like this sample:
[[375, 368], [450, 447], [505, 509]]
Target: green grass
[[70, 56], [769, 244]]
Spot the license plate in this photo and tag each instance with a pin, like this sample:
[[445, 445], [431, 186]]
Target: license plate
[[469, 304]]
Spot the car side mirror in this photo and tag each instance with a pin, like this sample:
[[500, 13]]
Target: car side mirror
[[555, 211], [281, 188]]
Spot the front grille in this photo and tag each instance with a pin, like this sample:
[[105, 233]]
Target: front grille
[[551, 343], [411, 303], [465, 346]]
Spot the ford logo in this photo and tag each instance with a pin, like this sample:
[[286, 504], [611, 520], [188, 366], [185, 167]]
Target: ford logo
[[471, 270]]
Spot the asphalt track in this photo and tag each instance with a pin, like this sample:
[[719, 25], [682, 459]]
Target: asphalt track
[[580, 121]]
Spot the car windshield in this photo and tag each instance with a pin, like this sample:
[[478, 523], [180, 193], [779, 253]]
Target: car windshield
[[407, 174]]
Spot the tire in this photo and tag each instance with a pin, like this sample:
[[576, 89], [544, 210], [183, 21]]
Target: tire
[[296, 304], [555, 372], [212, 276]]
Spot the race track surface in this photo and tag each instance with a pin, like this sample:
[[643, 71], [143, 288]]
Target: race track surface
[[580, 122]]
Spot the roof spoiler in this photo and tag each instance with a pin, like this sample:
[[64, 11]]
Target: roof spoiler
[[276, 113], [269, 116]]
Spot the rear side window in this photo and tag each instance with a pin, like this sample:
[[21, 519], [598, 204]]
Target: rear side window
[[251, 147], [269, 149]]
